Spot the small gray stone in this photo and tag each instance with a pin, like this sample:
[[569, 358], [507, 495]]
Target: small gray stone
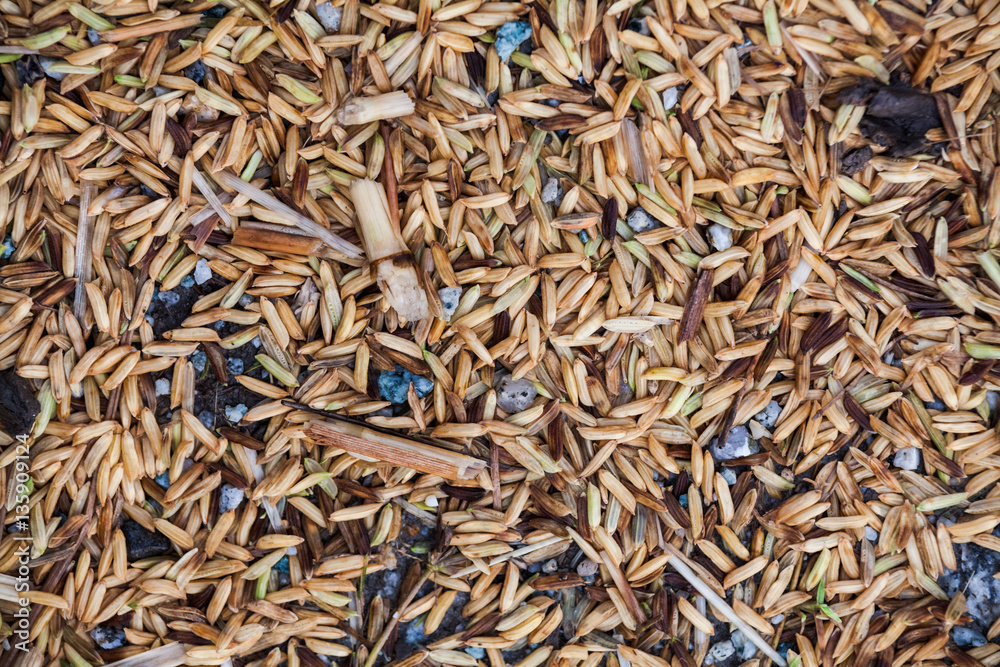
[[746, 648], [515, 395], [729, 476], [108, 637], [229, 498], [871, 534], [476, 652], [198, 360], [162, 387], [587, 568], [329, 16], [234, 413], [640, 221], [738, 445], [907, 459], [552, 193], [963, 636], [768, 417], [170, 298], [234, 365], [450, 297]]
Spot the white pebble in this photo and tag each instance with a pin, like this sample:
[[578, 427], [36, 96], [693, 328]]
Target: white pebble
[[431, 501], [907, 459], [229, 498], [551, 193], [234, 413], [162, 387], [720, 236], [871, 534], [202, 274], [768, 417], [329, 16], [720, 652]]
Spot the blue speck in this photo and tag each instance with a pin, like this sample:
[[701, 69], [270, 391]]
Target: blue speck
[[510, 36], [207, 418], [163, 479], [198, 359], [584, 237], [216, 12], [195, 71], [683, 500], [187, 282], [282, 565], [963, 636], [93, 37], [7, 249], [169, 298], [393, 385], [234, 365]]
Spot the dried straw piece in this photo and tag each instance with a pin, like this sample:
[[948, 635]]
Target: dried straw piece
[[228, 180], [394, 268], [719, 603], [370, 445]]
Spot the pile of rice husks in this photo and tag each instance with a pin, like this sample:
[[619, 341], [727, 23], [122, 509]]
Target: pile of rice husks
[[555, 333]]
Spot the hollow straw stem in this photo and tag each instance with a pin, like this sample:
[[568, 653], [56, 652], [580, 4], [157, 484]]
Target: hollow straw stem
[[372, 445], [377, 231], [717, 601], [391, 260]]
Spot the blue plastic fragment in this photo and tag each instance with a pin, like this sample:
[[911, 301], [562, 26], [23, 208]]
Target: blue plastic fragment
[[510, 36], [393, 385], [282, 565]]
